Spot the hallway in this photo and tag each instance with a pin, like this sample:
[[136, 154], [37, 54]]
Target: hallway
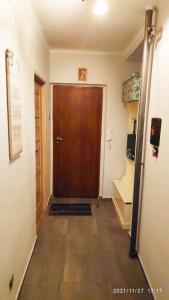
[[111, 144], [83, 258]]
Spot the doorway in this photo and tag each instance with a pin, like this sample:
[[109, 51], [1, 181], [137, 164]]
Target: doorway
[[77, 120], [39, 147]]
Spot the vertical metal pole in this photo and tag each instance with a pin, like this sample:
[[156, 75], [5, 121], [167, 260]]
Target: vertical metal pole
[[142, 118]]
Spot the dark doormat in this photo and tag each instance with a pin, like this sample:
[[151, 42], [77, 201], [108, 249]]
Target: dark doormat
[[71, 209]]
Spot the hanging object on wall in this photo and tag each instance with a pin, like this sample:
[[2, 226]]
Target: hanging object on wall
[[155, 135], [109, 137], [14, 105], [82, 74], [131, 88], [131, 142]]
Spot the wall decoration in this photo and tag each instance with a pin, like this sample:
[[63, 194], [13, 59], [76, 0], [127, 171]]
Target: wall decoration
[[82, 74], [14, 105], [131, 88]]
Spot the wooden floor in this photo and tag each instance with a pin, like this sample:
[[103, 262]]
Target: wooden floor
[[83, 258]]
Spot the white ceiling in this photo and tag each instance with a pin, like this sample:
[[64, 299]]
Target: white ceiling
[[71, 24]]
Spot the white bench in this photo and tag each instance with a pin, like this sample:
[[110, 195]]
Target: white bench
[[123, 198]]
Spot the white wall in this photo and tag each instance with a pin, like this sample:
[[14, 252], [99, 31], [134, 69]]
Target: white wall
[[154, 228], [20, 33], [105, 70]]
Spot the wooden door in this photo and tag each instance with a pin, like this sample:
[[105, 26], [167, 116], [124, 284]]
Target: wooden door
[[77, 118], [38, 137]]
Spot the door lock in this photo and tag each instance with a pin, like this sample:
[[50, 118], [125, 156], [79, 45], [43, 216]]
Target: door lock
[[59, 139]]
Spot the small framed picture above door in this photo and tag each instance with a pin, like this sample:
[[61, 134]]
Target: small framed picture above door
[[82, 74]]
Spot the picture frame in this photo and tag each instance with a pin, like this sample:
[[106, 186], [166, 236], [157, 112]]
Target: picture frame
[[13, 86], [82, 74]]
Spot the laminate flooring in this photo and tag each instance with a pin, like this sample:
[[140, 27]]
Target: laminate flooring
[[83, 258]]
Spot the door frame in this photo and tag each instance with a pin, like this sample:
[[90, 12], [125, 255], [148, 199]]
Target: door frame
[[103, 132], [43, 109]]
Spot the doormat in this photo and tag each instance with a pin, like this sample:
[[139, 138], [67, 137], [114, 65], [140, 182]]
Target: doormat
[[71, 209]]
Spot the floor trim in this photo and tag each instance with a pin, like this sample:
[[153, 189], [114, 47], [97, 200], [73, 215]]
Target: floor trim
[[143, 268], [24, 273], [49, 198], [145, 275]]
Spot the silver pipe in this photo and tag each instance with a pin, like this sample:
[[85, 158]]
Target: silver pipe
[[145, 132], [150, 22]]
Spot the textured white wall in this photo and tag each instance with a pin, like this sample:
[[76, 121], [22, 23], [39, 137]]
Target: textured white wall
[[110, 71], [154, 227], [20, 33]]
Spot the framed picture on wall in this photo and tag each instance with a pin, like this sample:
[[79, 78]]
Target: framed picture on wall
[[14, 105], [82, 74]]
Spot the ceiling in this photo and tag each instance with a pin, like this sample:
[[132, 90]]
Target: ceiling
[[71, 24]]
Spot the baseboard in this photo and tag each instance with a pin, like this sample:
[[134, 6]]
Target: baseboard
[[27, 264], [103, 198], [145, 275], [143, 268], [50, 196]]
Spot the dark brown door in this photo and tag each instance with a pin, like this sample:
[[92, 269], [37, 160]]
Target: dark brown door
[[77, 116]]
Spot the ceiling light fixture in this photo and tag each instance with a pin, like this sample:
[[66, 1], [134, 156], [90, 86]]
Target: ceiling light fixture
[[100, 8]]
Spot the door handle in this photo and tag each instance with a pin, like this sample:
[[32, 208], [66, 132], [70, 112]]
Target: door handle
[[59, 139]]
